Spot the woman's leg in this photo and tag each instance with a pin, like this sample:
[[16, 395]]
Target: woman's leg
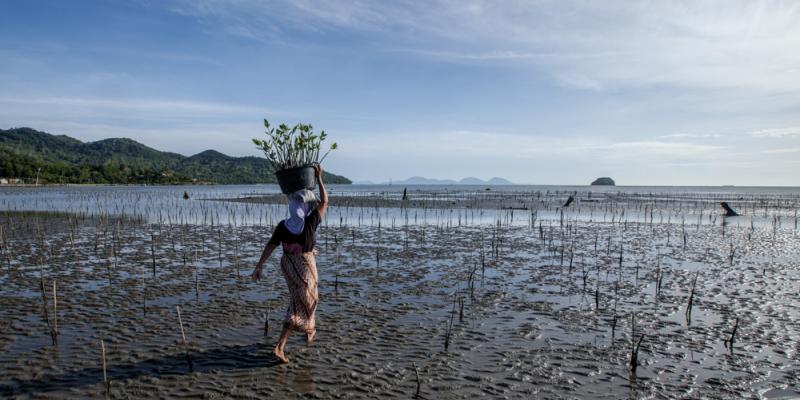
[[300, 273], [285, 333], [310, 337]]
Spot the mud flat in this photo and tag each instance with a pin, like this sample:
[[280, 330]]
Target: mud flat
[[539, 304]]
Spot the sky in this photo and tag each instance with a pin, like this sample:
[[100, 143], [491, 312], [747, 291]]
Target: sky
[[537, 92]]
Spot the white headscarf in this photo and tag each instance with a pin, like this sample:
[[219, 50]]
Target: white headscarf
[[300, 205]]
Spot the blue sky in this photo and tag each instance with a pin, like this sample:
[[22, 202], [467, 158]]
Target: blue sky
[[541, 92]]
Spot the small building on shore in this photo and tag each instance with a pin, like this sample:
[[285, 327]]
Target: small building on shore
[[10, 181]]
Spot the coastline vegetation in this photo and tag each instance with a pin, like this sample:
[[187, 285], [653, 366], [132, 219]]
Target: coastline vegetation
[[32, 156]]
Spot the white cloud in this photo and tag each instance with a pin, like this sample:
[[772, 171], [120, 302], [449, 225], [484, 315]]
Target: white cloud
[[589, 45], [690, 136], [789, 132], [462, 144], [782, 151], [647, 148], [485, 145], [159, 106]]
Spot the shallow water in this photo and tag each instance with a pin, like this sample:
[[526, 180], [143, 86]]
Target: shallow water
[[542, 308]]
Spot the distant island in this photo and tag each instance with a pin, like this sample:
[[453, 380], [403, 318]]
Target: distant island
[[31, 155], [603, 181], [419, 180]]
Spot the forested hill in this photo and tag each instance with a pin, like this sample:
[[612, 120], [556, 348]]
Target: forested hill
[[62, 159]]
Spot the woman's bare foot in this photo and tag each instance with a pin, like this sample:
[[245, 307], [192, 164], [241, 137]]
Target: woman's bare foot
[[310, 337], [279, 354]]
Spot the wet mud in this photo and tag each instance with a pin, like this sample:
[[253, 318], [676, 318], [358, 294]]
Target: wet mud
[[542, 308]]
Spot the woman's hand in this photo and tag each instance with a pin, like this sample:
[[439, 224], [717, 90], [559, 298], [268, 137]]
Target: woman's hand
[[318, 172], [268, 249], [256, 275]]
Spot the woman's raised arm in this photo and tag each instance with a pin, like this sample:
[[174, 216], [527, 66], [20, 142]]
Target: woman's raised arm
[[323, 194]]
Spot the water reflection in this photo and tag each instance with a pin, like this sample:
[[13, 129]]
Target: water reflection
[[303, 381]]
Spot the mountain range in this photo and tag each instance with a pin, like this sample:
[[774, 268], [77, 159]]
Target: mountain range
[[27, 153], [419, 180]]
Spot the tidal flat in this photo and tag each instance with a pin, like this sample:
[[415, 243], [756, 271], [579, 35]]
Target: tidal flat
[[450, 293]]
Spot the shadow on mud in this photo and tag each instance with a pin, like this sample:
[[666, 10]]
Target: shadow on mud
[[227, 358]]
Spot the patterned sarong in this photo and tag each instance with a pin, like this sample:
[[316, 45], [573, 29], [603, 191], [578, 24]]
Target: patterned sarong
[[300, 272]]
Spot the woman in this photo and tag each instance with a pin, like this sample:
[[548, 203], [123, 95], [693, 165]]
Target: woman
[[298, 265]]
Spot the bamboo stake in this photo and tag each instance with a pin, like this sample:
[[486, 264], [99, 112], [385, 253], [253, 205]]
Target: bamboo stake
[[106, 382], [55, 309], [153, 252], [196, 279], [44, 307], [236, 255], [266, 321], [185, 344]]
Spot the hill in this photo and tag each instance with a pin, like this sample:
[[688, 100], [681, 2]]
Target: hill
[[24, 152], [499, 181]]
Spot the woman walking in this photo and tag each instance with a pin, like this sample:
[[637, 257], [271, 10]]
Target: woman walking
[[298, 265]]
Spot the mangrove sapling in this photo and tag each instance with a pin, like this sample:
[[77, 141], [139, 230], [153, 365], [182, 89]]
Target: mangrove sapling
[[471, 282], [585, 275], [4, 250], [110, 263], [449, 329], [571, 256], [729, 341], [691, 299], [635, 345], [613, 326], [292, 147], [659, 278], [597, 296], [460, 309], [416, 373]]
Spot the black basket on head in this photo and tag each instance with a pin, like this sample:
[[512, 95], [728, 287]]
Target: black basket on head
[[293, 179]]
